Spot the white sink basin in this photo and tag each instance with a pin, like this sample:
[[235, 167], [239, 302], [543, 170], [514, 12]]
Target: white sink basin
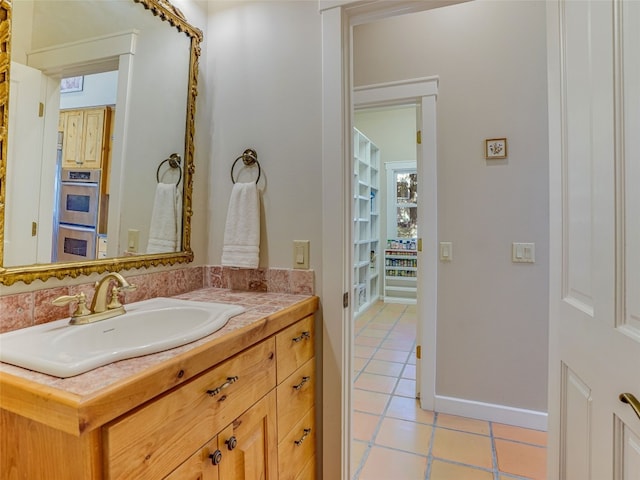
[[150, 326]]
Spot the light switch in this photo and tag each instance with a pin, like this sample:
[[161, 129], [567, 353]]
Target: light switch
[[446, 251], [301, 254], [133, 240], [523, 252]]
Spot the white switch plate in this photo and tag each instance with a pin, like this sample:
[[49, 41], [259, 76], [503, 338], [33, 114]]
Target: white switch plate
[[523, 252], [301, 254], [133, 241], [446, 251]]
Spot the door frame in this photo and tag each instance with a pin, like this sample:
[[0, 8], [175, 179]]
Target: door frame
[[337, 20], [423, 93]]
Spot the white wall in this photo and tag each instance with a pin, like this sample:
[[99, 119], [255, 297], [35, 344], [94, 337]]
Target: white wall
[[492, 314], [97, 89], [265, 93]]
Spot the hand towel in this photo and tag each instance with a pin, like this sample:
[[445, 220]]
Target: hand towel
[[242, 229], [164, 230]]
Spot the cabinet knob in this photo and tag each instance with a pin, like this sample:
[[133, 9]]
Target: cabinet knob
[[216, 457], [232, 442]]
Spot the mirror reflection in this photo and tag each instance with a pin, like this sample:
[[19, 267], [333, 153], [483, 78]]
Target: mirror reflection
[[97, 132]]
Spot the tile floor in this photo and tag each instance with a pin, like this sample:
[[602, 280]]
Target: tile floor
[[393, 439]]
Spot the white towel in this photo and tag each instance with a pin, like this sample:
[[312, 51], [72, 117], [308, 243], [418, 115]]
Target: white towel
[[164, 230], [242, 230]]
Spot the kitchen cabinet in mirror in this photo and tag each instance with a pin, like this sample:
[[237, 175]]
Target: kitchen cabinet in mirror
[[95, 95]]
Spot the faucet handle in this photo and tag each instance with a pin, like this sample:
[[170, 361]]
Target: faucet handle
[[81, 308], [115, 302]]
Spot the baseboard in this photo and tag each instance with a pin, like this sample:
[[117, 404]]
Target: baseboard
[[492, 412]]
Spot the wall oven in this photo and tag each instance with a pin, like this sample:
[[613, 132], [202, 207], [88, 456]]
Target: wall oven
[[78, 208]]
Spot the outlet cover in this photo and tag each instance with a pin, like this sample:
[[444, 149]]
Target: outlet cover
[[301, 254]]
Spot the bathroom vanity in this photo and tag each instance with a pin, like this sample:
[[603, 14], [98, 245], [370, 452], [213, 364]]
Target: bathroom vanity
[[236, 404]]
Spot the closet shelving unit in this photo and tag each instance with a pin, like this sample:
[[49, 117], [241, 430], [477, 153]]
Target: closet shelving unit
[[400, 271], [366, 222]]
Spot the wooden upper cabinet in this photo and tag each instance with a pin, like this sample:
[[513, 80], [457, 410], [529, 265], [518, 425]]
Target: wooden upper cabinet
[[85, 137]]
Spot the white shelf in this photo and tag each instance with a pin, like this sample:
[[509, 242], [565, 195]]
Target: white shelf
[[400, 288], [367, 256]]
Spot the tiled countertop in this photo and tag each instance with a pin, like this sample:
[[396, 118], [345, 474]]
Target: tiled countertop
[[258, 306]]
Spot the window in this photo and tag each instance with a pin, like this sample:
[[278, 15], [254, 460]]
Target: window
[[402, 200]]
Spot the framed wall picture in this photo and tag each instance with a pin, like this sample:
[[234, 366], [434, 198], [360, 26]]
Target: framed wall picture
[[495, 148], [71, 84]]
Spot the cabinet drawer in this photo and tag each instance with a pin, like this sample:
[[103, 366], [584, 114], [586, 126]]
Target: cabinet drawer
[[295, 397], [294, 346], [152, 441], [297, 448]]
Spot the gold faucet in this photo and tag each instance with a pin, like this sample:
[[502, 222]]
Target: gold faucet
[[101, 308]]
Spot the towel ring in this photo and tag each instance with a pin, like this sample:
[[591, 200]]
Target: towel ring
[[249, 158], [174, 162]]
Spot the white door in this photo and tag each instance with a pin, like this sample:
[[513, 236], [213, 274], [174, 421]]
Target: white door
[[23, 168], [594, 125]]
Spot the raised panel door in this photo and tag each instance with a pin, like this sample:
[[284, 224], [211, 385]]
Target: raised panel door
[[72, 139], [93, 142], [594, 73], [249, 444], [200, 466]]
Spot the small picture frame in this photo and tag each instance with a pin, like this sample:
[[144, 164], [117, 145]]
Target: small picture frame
[[71, 84], [495, 148]]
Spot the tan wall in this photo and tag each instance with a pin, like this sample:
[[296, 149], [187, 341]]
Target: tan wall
[[491, 60]]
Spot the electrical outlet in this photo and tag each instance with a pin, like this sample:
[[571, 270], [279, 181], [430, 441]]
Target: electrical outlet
[[301, 254]]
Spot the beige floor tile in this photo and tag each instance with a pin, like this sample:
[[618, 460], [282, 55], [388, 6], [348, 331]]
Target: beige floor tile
[[403, 435], [380, 367], [462, 447], [448, 471], [412, 358], [463, 423], [374, 332], [368, 341], [408, 409], [406, 388], [391, 355], [383, 464], [396, 344], [358, 449], [364, 425], [524, 460], [525, 435], [363, 351], [359, 363], [376, 383], [370, 402], [409, 372]]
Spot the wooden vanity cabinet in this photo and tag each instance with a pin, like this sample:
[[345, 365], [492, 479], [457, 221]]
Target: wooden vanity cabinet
[[296, 400], [85, 138], [256, 407]]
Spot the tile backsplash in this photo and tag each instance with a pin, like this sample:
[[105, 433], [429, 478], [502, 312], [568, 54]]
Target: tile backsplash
[[32, 308]]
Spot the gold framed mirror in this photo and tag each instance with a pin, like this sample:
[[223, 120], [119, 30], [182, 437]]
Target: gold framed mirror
[[149, 135]]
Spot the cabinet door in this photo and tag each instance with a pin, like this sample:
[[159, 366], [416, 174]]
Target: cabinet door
[[72, 139], [92, 138], [250, 444], [201, 465]]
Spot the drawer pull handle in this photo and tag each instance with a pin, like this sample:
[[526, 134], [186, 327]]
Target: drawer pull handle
[[302, 336], [217, 390], [216, 457], [232, 442], [304, 380], [307, 431]]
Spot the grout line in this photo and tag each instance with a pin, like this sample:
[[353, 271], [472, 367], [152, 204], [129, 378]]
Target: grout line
[[494, 453]]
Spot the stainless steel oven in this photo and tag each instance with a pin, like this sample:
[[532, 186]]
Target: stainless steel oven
[[78, 209], [76, 243], [79, 197]]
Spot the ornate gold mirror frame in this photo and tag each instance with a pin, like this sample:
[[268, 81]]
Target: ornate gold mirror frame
[[27, 274]]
